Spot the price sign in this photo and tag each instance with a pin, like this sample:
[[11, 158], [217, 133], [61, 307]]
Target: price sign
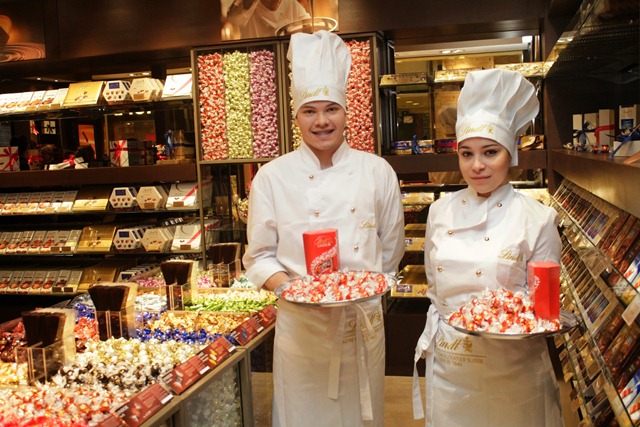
[[267, 315], [185, 374], [143, 405], [246, 331]]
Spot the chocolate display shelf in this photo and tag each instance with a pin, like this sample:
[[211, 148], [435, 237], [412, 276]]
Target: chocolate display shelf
[[96, 176], [600, 358]]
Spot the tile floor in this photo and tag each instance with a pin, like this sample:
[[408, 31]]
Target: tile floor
[[398, 407]]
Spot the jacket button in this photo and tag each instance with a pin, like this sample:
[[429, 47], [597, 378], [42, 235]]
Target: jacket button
[[439, 269], [353, 210], [478, 273], [316, 213], [499, 204], [356, 248], [464, 201], [450, 232], [311, 177], [486, 239]]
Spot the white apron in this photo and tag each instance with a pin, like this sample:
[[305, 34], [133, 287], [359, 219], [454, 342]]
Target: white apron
[[321, 346], [473, 381]]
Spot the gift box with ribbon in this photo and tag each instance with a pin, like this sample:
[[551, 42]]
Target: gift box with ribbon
[[9, 159], [584, 126], [130, 153], [606, 130]]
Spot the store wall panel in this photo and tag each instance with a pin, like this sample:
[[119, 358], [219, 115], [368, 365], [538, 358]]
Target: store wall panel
[[104, 27]]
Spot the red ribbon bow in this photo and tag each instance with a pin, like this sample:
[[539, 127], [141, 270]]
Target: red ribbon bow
[[13, 158]]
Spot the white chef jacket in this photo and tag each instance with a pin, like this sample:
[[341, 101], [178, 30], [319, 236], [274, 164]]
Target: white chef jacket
[[328, 362], [472, 244]]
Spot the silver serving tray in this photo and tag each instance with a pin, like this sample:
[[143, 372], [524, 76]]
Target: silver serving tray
[[390, 279], [568, 321]]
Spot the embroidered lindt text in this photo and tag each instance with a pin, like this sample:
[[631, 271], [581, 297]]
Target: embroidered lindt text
[[324, 91], [488, 128], [367, 224], [510, 256]]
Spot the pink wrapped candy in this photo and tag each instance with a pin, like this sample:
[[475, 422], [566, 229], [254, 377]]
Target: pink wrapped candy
[[501, 311]]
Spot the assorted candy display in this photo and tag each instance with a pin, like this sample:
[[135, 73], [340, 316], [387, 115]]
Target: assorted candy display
[[106, 374], [238, 104]]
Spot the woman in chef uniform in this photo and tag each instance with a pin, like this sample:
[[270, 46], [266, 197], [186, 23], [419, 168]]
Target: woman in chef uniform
[[481, 238], [328, 363]]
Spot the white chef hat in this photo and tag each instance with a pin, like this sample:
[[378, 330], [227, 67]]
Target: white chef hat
[[496, 104], [320, 64]]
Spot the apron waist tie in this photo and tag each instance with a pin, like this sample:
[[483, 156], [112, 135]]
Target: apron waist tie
[[336, 334], [426, 344], [366, 406]]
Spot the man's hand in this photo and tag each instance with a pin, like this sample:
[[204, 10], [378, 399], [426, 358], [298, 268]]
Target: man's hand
[[276, 280]]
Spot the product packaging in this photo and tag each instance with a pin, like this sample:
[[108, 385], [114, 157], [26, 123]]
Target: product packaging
[[127, 239], [543, 278], [129, 153], [58, 101], [185, 195], [606, 130], [589, 128], [89, 199], [186, 238], [143, 89], [152, 197], [9, 159], [123, 198], [321, 251], [47, 99], [158, 239], [446, 145], [177, 85], [629, 118], [36, 100], [83, 94], [116, 91]]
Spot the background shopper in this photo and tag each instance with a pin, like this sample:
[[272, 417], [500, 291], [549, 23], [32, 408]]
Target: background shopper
[[328, 367], [481, 238]]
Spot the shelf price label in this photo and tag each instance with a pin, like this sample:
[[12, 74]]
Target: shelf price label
[[267, 315], [213, 354], [143, 405], [185, 374], [246, 331]]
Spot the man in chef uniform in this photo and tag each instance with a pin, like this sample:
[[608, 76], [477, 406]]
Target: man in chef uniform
[[328, 363], [481, 238]]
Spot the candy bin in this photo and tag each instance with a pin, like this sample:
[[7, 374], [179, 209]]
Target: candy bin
[[50, 343]]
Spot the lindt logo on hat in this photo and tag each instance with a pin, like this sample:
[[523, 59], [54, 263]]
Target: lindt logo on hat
[[324, 91], [486, 128], [321, 251]]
